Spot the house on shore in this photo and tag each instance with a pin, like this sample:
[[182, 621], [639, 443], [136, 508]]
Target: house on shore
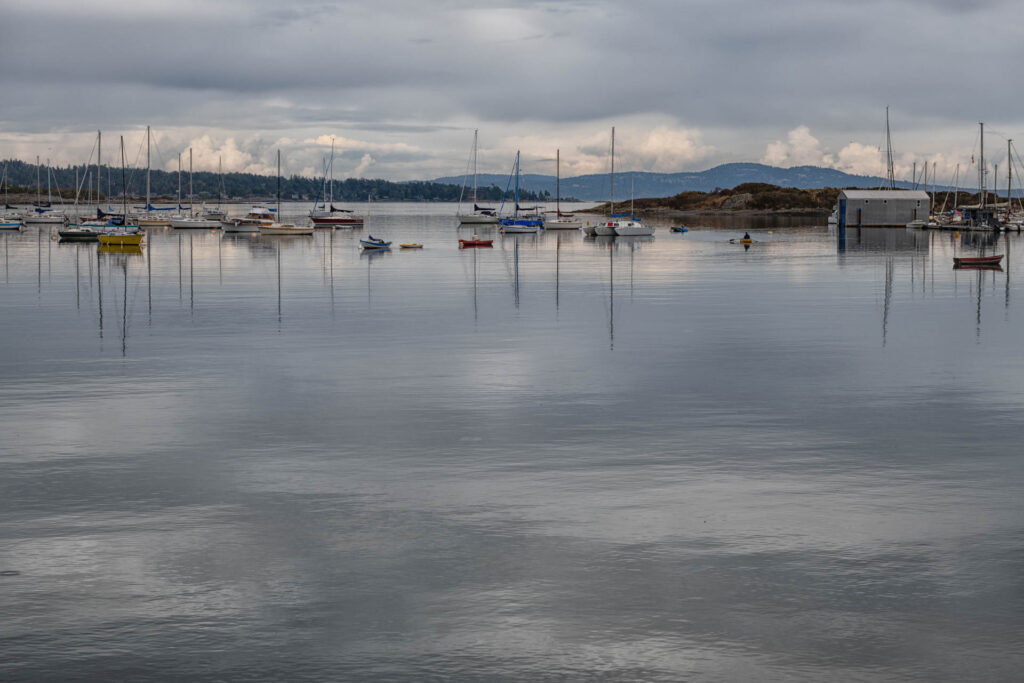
[[882, 208]]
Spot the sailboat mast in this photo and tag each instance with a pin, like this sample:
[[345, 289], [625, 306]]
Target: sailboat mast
[[39, 195], [956, 186], [147, 169], [1009, 178], [49, 194], [124, 189], [220, 172], [888, 152], [981, 167], [517, 184], [475, 133], [611, 199], [279, 185], [179, 181], [191, 192], [99, 147], [331, 190], [558, 183]]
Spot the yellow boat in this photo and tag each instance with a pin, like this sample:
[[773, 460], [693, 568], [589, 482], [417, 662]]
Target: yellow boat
[[133, 239], [411, 245]]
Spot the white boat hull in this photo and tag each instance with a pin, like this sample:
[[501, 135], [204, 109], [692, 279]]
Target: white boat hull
[[604, 231], [520, 229], [235, 226], [51, 219], [199, 223], [477, 219], [563, 224]]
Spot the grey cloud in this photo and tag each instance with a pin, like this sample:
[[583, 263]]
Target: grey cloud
[[745, 69]]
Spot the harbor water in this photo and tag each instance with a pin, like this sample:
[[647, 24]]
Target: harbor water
[[234, 457]]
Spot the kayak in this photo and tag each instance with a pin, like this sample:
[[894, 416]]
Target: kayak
[[735, 241]]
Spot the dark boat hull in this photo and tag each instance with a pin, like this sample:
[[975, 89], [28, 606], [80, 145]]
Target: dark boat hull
[[978, 261]]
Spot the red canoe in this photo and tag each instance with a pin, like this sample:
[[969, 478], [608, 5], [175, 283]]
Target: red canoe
[[978, 260], [476, 243]]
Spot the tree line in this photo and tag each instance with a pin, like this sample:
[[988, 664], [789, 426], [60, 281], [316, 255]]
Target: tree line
[[207, 186]]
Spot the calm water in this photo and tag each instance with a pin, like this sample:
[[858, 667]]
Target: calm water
[[235, 458]]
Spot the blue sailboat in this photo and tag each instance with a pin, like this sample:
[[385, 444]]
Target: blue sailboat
[[515, 224]]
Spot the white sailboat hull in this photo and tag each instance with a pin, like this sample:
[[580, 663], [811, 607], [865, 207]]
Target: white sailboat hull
[[563, 224], [633, 229], [51, 219], [477, 219], [604, 230], [201, 223]]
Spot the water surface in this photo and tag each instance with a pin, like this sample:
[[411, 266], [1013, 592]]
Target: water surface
[[232, 457]]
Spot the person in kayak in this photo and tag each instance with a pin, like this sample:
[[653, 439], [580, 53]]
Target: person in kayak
[[746, 235]]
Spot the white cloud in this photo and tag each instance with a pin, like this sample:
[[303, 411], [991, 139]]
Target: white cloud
[[364, 164], [800, 149]]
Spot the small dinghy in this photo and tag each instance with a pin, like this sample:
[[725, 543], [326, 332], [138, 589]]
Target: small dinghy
[[993, 260], [372, 242], [679, 228], [411, 245], [475, 243]]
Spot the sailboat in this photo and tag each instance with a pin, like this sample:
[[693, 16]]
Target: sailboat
[[632, 226], [607, 229], [152, 218], [192, 220], [278, 228], [515, 224], [333, 216], [563, 221], [88, 229], [8, 222], [124, 234], [43, 214], [481, 214]]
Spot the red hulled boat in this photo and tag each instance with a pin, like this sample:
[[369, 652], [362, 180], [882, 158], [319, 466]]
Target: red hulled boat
[[993, 260]]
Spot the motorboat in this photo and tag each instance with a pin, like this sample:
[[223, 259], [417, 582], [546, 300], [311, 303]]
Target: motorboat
[[258, 216]]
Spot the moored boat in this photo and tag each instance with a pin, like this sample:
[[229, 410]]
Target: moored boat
[[371, 242], [481, 215], [994, 260], [475, 243], [562, 221], [80, 233]]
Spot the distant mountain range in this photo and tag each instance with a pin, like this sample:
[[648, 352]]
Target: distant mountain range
[[595, 187]]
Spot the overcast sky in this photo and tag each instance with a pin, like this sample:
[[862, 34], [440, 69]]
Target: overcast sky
[[401, 84]]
